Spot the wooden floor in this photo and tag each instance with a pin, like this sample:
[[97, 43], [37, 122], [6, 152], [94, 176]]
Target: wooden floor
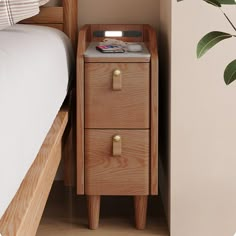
[[66, 215]]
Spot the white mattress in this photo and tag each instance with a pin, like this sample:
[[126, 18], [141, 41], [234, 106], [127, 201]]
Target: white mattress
[[34, 70]]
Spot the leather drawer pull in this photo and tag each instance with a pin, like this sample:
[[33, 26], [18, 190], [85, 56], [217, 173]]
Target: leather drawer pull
[[117, 80], [117, 146]]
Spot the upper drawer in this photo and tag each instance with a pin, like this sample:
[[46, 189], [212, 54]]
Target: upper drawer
[[114, 100]]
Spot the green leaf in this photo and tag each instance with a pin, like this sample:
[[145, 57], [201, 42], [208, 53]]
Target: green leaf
[[229, 2], [210, 40], [230, 73], [213, 2]]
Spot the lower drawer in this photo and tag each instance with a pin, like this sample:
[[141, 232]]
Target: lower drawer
[[107, 173]]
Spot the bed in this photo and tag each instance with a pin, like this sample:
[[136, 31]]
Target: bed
[[36, 125]]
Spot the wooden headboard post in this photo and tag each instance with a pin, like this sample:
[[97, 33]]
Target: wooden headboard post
[[63, 18], [70, 15]]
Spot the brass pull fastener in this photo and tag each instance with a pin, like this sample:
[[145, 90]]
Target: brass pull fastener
[[117, 80], [117, 145]]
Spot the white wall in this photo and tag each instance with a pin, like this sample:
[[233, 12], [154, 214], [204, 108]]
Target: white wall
[[203, 126]]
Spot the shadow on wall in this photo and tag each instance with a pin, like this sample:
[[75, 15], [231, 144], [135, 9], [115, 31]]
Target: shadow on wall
[[55, 3], [164, 45], [164, 98]]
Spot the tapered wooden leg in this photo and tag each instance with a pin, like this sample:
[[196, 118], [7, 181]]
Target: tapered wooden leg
[[140, 205], [93, 211]]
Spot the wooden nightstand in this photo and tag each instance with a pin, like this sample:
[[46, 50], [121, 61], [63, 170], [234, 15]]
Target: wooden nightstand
[[117, 119]]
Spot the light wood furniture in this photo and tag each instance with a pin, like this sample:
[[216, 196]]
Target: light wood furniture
[[63, 18], [23, 215], [117, 120], [133, 98]]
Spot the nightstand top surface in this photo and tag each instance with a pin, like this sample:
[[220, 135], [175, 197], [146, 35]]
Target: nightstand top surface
[[91, 54]]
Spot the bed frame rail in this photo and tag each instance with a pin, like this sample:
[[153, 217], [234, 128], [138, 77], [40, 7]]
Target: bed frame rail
[[23, 215]]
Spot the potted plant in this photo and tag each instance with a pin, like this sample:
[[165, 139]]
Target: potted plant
[[214, 37]]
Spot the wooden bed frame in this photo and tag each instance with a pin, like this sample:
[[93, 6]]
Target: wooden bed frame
[[23, 215]]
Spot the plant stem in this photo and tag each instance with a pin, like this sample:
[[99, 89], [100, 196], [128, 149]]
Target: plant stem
[[231, 23]]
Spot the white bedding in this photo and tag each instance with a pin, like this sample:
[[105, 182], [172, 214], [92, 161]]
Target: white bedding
[[34, 70]]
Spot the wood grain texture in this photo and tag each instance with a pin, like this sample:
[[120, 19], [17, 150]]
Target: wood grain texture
[[93, 211], [55, 26], [109, 175], [140, 207], [151, 41], [103, 27], [100, 116], [69, 160], [84, 37], [24, 213], [64, 18], [127, 108], [69, 139], [70, 15], [47, 15]]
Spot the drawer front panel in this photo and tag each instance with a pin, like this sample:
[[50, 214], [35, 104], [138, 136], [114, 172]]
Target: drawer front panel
[[117, 101], [108, 174]]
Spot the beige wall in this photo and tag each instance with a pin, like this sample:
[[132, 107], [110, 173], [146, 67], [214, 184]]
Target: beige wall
[[203, 126], [119, 12]]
